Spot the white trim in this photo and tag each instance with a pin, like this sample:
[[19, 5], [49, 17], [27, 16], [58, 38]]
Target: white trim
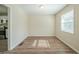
[[9, 28], [68, 44], [41, 35], [12, 47]]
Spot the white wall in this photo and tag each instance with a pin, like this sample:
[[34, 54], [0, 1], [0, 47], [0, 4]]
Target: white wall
[[17, 26], [71, 40], [20, 26], [41, 25]]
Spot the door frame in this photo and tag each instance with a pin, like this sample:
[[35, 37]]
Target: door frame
[[9, 37]]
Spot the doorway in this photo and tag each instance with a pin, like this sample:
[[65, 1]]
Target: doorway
[[3, 28]]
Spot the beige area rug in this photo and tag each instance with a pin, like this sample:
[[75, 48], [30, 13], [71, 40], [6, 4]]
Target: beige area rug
[[39, 44]]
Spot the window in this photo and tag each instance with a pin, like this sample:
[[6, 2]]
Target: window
[[67, 22]]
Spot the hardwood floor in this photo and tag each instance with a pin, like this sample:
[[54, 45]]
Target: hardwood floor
[[42, 45]]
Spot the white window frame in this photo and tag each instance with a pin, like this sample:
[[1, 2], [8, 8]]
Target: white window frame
[[66, 19]]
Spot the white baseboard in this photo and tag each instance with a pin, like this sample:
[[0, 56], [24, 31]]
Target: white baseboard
[[68, 44], [12, 47], [41, 35]]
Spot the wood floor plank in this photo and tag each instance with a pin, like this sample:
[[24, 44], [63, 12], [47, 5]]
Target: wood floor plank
[[56, 47]]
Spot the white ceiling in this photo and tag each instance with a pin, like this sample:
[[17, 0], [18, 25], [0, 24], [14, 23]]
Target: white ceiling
[[48, 8]]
